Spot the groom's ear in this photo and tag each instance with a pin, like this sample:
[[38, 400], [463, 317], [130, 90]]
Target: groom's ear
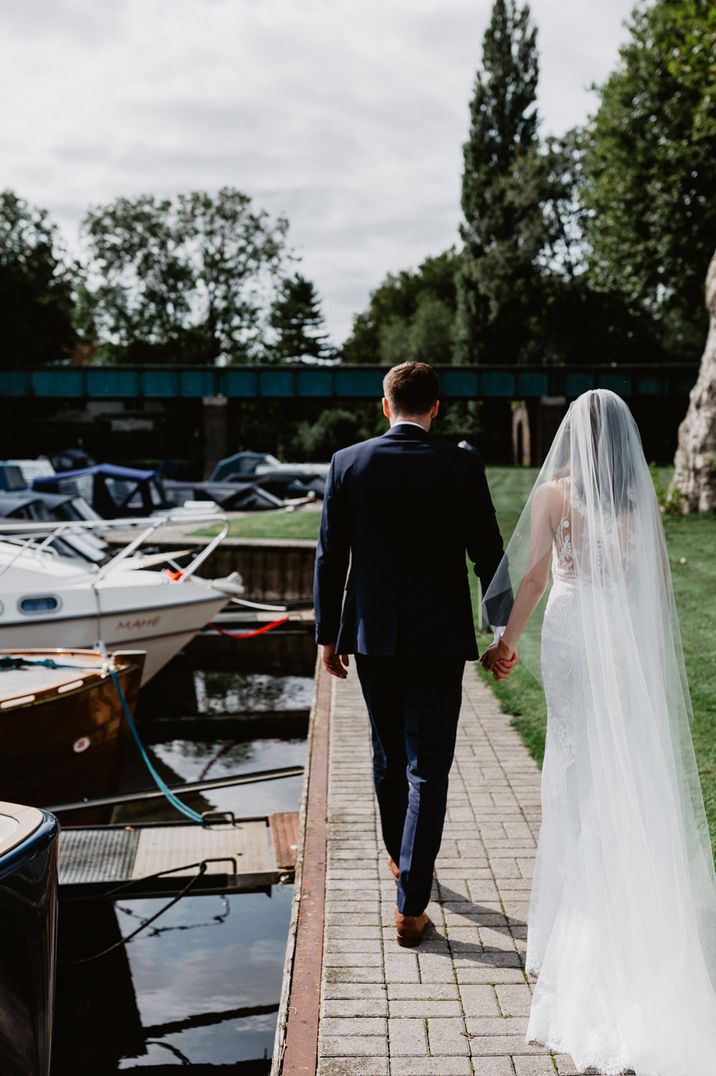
[[386, 407], [436, 408]]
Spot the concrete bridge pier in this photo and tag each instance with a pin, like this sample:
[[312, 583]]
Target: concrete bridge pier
[[215, 426]]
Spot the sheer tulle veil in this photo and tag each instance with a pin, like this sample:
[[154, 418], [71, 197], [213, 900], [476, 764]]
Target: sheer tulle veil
[[639, 873]]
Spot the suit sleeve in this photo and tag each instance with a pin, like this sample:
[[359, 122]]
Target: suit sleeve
[[332, 556], [485, 547]]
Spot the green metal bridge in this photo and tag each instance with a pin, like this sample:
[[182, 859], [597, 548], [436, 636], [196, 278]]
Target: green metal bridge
[[336, 382]]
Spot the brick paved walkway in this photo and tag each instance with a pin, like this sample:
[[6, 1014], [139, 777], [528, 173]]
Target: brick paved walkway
[[459, 1004]]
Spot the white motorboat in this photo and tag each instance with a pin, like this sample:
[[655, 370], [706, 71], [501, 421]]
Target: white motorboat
[[51, 600]]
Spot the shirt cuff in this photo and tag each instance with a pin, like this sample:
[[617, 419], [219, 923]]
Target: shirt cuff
[[497, 633]]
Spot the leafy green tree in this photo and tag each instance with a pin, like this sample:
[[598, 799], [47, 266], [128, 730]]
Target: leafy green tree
[[410, 316], [503, 229], [181, 279], [333, 429], [298, 322], [36, 286], [577, 323], [650, 169]]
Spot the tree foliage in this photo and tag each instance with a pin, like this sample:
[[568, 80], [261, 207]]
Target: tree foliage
[[650, 169], [298, 323], [184, 279], [36, 286], [503, 229], [410, 316]]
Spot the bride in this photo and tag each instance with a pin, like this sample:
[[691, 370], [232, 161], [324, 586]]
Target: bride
[[622, 920]]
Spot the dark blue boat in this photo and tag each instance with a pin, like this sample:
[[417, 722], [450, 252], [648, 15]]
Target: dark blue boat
[[28, 927], [112, 491]]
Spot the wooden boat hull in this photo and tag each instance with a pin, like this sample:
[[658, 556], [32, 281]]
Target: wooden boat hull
[[67, 746]]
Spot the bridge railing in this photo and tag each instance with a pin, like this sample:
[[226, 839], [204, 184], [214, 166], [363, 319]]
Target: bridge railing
[[337, 382]]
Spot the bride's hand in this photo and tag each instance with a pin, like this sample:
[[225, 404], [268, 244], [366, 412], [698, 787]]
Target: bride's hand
[[500, 660]]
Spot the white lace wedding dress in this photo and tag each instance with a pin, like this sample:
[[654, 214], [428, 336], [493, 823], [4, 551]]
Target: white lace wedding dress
[[622, 921]]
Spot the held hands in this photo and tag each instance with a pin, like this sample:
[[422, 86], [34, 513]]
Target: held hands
[[500, 660], [333, 663]]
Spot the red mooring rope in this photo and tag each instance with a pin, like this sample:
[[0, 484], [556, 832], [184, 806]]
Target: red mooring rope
[[248, 634]]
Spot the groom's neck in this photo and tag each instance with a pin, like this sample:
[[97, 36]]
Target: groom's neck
[[420, 420]]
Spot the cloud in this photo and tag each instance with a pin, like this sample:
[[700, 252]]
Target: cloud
[[348, 118]]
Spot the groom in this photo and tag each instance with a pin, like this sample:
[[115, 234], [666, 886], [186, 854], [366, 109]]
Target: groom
[[400, 513]]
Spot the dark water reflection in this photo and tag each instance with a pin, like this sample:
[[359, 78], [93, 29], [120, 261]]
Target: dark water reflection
[[212, 957], [200, 987], [230, 693]]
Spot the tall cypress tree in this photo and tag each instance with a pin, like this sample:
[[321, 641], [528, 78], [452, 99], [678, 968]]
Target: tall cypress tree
[[503, 227], [298, 322]]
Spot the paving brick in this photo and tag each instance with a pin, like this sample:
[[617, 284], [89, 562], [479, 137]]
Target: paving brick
[[426, 1007], [353, 975], [353, 1066], [353, 1007], [497, 1025], [352, 1046], [514, 1000], [436, 968], [353, 960], [430, 1066], [534, 1066], [446, 1035], [567, 1067], [479, 1000], [493, 1066], [354, 1025], [351, 990], [502, 1046], [401, 968], [423, 991], [407, 1037]]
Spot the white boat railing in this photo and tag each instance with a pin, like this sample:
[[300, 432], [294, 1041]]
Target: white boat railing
[[33, 537]]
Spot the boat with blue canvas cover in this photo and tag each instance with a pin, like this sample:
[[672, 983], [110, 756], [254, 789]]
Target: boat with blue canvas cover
[[28, 927]]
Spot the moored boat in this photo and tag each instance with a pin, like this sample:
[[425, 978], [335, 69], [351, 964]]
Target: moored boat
[[28, 925], [50, 599], [61, 723]]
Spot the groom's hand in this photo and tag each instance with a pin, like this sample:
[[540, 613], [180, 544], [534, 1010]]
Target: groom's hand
[[333, 663], [500, 660]]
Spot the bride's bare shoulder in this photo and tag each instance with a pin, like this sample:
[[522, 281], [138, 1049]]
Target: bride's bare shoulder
[[550, 498], [552, 492]]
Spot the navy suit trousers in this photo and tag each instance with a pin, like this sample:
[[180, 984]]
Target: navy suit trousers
[[414, 706]]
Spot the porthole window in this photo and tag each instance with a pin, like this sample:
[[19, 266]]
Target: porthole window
[[41, 603]]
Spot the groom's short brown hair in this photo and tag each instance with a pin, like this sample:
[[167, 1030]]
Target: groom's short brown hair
[[411, 388]]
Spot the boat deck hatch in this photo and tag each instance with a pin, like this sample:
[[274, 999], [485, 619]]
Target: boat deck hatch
[[158, 858]]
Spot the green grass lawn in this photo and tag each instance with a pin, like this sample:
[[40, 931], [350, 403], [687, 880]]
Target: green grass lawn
[[303, 523], [693, 539]]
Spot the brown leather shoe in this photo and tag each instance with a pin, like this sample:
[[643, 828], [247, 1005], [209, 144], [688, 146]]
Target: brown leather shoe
[[410, 928], [395, 869]]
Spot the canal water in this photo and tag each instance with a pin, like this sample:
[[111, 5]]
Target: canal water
[[199, 988]]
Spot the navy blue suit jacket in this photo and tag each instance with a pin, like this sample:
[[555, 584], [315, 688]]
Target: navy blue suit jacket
[[401, 511]]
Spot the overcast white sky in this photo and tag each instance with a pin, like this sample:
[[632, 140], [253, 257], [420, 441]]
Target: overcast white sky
[[347, 116]]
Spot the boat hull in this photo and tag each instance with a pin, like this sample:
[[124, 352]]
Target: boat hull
[[28, 930], [67, 746], [160, 630]]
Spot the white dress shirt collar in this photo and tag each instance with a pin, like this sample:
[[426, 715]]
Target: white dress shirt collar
[[408, 422]]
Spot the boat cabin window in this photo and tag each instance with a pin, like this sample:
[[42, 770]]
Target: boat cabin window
[[41, 603]]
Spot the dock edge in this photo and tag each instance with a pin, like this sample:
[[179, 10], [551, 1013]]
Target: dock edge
[[296, 1041]]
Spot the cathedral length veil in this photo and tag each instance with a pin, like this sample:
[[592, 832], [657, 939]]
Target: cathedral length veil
[[622, 922]]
